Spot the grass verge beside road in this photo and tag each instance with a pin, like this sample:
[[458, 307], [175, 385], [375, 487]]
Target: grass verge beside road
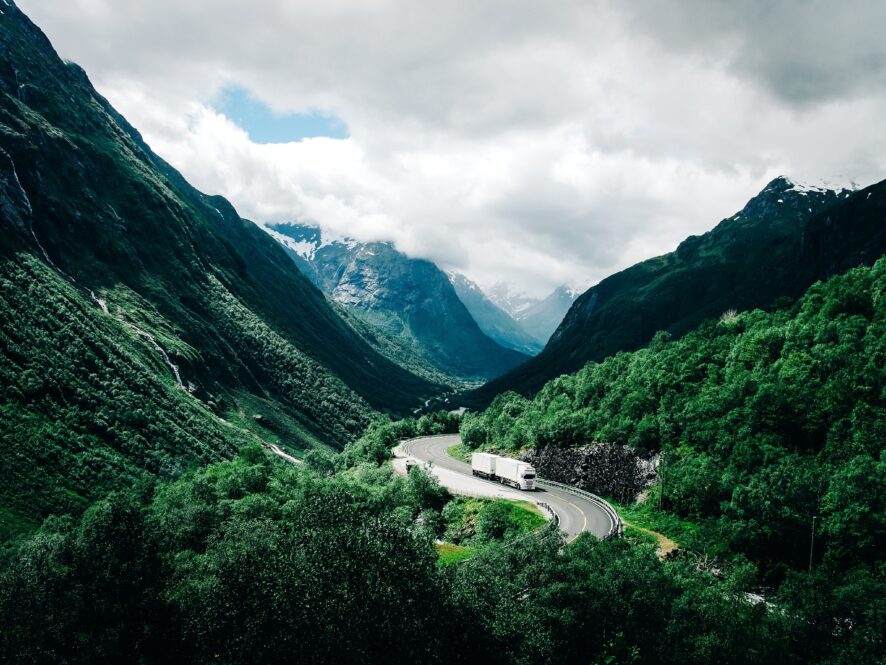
[[669, 531], [460, 452], [473, 523]]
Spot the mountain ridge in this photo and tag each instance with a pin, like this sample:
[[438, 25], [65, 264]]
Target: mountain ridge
[[749, 260]]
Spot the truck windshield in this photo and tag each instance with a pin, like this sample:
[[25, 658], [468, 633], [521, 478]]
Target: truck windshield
[[529, 476]]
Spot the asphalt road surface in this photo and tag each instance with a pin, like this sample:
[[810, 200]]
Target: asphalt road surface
[[576, 513]]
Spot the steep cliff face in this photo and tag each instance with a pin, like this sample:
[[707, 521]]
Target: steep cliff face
[[784, 239], [602, 468], [411, 300]]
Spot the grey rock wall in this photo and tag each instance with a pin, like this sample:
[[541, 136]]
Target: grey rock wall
[[602, 468]]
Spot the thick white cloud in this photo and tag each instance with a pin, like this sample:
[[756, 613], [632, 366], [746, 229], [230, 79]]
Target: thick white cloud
[[520, 141]]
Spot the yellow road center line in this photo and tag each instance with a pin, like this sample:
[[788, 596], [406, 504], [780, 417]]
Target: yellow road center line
[[584, 527]]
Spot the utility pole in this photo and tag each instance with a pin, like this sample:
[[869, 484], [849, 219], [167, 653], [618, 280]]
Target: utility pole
[[812, 542]]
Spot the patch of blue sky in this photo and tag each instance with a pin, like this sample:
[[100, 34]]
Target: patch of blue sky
[[264, 126]]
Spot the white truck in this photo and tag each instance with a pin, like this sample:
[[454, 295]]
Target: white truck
[[515, 473], [505, 470]]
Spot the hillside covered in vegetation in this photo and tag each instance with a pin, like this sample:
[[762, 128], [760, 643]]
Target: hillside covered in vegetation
[[256, 560], [768, 253], [763, 421], [144, 325], [409, 300], [155, 346]]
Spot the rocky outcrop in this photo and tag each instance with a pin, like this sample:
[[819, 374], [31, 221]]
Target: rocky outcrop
[[605, 469], [15, 209]]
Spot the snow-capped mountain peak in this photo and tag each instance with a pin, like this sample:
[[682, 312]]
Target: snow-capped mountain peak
[[836, 184]]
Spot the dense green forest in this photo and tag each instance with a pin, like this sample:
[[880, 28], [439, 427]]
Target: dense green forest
[[255, 560], [763, 421], [86, 403]]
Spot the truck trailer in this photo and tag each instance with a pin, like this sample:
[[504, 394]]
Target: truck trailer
[[483, 465], [505, 470]]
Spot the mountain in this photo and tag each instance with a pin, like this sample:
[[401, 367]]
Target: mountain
[[493, 320], [541, 318], [538, 317], [144, 326], [783, 240], [512, 302], [410, 300]]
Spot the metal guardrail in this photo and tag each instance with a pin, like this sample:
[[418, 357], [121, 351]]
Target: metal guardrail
[[616, 526], [553, 513]]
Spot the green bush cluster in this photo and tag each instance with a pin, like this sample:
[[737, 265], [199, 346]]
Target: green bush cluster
[[476, 522]]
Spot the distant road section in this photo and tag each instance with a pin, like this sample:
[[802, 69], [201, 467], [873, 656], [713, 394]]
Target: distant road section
[[576, 513]]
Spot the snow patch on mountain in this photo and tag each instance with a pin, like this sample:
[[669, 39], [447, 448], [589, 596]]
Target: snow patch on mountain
[[459, 280], [304, 248], [837, 184], [513, 302]]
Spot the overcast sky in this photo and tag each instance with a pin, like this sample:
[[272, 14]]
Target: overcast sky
[[534, 143]]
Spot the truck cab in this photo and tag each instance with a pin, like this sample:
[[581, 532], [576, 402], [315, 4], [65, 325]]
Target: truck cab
[[527, 478]]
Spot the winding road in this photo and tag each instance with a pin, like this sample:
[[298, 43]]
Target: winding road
[[576, 513]]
